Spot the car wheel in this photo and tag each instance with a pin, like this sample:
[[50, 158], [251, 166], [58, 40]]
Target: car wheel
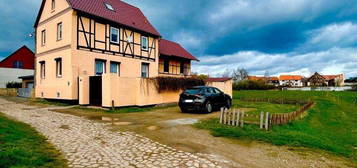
[[184, 110], [209, 107]]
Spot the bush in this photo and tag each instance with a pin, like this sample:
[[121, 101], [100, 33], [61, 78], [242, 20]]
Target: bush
[[252, 85], [354, 88], [14, 85], [176, 84]]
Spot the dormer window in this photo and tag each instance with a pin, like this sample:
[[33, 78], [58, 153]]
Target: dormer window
[[108, 6]]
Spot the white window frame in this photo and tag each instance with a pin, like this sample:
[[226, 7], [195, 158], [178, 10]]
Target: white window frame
[[43, 37], [111, 31], [147, 71], [142, 43], [117, 67], [43, 69], [53, 5], [59, 31], [95, 67], [59, 67]]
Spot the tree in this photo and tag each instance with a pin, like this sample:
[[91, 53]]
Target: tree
[[227, 73], [239, 74]]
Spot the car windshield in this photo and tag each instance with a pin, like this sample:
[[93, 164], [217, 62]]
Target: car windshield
[[193, 91]]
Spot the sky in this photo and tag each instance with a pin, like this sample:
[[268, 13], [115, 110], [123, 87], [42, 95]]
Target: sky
[[277, 36]]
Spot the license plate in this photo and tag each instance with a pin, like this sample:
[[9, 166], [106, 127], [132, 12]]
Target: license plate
[[188, 101]]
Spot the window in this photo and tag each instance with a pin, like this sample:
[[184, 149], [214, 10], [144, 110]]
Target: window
[[144, 70], [108, 6], [114, 35], [115, 67], [43, 37], [144, 43], [59, 31], [58, 67], [43, 69], [166, 65], [99, 67], [217, 91], [17, 64], [53, 5], [182, 67]]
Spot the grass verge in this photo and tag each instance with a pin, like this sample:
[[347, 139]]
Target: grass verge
[[330, 125], [22, 146]]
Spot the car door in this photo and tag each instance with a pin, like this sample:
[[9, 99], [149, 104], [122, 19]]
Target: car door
[[214, 97], [220, 98]]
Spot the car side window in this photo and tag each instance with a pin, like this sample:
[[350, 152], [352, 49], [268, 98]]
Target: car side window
[[210, 90], [217, 91]]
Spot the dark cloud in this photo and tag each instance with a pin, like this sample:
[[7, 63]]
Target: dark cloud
[[280, 35]]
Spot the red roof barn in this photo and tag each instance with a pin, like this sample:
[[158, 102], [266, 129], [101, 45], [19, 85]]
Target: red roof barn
[[23, 58]]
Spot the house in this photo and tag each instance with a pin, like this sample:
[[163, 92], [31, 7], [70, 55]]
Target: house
[[103, 52], [326, 80], [291, 80], [19, 63]]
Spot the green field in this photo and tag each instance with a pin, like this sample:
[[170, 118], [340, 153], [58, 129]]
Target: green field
[[21, 146], [330, 125]]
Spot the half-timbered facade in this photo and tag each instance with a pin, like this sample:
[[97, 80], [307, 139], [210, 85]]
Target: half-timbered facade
[[100, 51]]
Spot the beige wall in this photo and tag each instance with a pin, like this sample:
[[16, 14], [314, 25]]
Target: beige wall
[[225, 87], [126, 91], [174, 67]]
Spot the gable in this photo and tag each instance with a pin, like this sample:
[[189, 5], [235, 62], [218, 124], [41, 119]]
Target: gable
[[46, 12], [23, 55]]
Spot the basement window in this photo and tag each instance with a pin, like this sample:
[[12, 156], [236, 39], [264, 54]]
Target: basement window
[[108, 6]]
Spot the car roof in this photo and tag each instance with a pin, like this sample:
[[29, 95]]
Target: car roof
[[199, 87]]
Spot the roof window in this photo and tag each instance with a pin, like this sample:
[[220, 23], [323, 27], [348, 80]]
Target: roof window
[[108, 6]]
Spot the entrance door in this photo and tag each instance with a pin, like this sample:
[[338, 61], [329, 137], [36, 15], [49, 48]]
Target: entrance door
[[95, 90]]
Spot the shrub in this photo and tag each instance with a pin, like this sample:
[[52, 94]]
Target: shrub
[[252, 85], [354, 88], [176, 84], [13, 85]]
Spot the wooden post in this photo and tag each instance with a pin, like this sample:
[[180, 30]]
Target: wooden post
[[233, 117], [267, 121], [225, 116], [229, 117], [221, 117], [242, 119], [261, 119], [238, 117]]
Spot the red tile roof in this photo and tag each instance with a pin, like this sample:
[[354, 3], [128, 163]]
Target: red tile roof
[[290, 77], [329, 77], [217, 79], [124, 13], [256, 78], [170, 48]]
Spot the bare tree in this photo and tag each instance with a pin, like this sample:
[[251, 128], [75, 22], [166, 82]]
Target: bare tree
[[240, 74], [227, 73]]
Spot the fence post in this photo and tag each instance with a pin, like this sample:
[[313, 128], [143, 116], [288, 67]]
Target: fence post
[[267, 121], [229, 117], [261, 119], [242, 119], [221, 117], [233, 117], [238, 117]]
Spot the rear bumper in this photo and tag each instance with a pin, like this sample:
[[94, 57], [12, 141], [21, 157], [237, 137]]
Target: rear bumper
[[192, 106]]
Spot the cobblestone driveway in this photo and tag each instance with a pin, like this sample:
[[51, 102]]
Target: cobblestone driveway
[[86, 143]]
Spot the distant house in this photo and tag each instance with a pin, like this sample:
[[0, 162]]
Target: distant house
[[325, 80], [291, 80], [19, 63]]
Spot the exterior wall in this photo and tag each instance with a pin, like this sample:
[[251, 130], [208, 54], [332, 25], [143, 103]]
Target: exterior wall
[[12, 75], [124, 91], [293, 83], [225, 87], [174, 67], [24, 55]]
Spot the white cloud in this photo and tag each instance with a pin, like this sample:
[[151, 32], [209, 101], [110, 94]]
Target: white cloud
[[333, 35], [332, 61]]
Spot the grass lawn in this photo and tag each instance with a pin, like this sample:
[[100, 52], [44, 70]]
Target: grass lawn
[[21, 146], [330, 125], [257, 107]]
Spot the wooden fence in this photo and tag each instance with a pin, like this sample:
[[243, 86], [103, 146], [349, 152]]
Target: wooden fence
[[265, 120], [284, 118]]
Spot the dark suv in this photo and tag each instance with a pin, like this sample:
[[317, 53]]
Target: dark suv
[[203, 98]]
